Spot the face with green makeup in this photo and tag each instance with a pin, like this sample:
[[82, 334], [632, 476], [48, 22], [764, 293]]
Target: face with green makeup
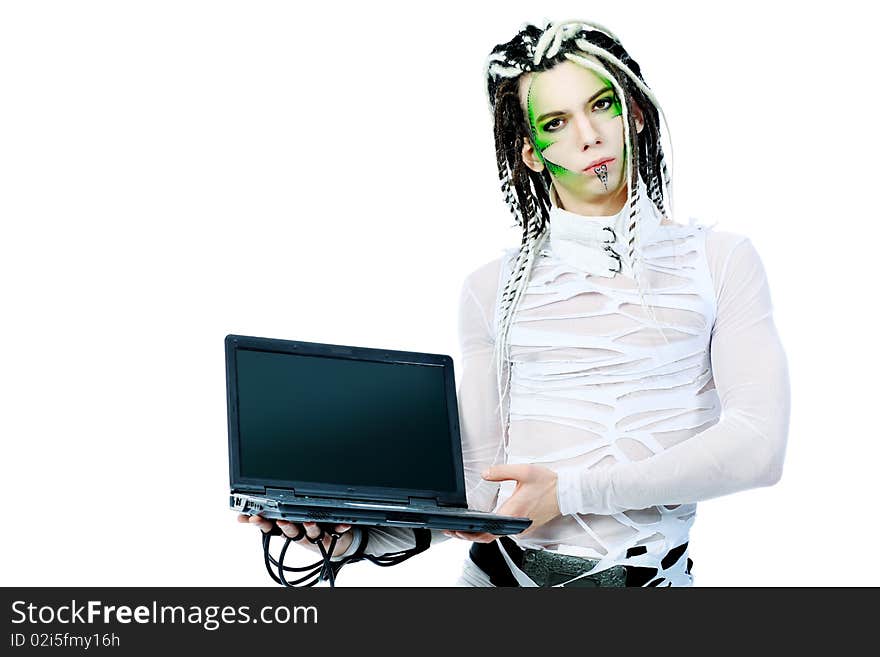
[[575, 119]]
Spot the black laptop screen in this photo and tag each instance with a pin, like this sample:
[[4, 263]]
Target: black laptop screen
[[341, 421]]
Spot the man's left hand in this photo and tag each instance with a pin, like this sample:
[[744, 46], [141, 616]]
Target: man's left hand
[[534, 497]]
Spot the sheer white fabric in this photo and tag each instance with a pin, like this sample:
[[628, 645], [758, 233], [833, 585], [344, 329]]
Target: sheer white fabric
[[639, 425]]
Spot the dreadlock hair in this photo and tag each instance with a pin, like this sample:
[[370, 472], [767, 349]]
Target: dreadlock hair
[[526, 192]]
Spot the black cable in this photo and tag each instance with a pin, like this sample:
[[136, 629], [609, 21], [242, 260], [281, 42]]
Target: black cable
[[281, 576], [325, 568], [319, 570], [270, 561], [327, 572]]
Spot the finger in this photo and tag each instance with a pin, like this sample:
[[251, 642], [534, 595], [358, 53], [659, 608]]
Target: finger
[[312, 529], [262, 523], [518, 471], [485, 538], [452, 534], [290, 529], [477, 537], [342, 528]]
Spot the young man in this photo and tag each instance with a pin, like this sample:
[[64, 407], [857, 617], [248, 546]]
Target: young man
[[599, 355]]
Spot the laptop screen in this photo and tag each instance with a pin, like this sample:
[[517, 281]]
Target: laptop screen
[[343, 421]]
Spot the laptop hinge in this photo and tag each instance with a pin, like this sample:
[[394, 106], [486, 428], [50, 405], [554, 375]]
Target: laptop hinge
[[282, 493], [250, 489]]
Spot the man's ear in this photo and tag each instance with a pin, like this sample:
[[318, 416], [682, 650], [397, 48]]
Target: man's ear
[[638, 116], [530, 157]]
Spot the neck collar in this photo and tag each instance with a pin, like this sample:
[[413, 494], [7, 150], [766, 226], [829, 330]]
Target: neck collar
[[596, 244]]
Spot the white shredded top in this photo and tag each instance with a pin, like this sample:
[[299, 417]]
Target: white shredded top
[[639, 424]]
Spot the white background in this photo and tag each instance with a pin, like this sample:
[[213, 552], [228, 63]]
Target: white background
[[171, 172]]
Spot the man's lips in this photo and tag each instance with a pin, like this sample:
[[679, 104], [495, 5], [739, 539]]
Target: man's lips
[[607, 160]]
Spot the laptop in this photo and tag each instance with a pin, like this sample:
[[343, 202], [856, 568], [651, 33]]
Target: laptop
[[339, 434]]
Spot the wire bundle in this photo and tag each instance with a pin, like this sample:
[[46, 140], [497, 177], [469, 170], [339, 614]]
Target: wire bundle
[[325, 569]]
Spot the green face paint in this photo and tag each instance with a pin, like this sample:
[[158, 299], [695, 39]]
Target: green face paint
[[543, 139]]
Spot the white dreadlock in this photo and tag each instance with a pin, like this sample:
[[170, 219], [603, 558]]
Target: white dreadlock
[[499, 66]]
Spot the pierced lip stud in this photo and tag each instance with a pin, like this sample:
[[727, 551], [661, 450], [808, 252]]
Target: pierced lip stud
[[601, 172]]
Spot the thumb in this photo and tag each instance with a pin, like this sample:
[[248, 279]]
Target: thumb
[[504, 472]]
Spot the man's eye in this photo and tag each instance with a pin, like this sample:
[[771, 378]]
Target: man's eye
[[608, 100]]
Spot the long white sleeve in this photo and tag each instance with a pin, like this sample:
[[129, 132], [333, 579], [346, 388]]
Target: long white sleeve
[[481, 436], [746, 448], [477, 404]]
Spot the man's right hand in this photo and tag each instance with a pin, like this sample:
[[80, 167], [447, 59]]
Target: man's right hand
[[312, 530]]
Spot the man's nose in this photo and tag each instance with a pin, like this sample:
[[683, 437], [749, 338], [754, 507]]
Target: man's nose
[[586, 132]]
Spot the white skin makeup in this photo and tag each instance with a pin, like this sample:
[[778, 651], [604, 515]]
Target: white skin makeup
[[575, 118]]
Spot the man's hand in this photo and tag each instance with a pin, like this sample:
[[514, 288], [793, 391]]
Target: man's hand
[[534, 497], [312, 530]]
